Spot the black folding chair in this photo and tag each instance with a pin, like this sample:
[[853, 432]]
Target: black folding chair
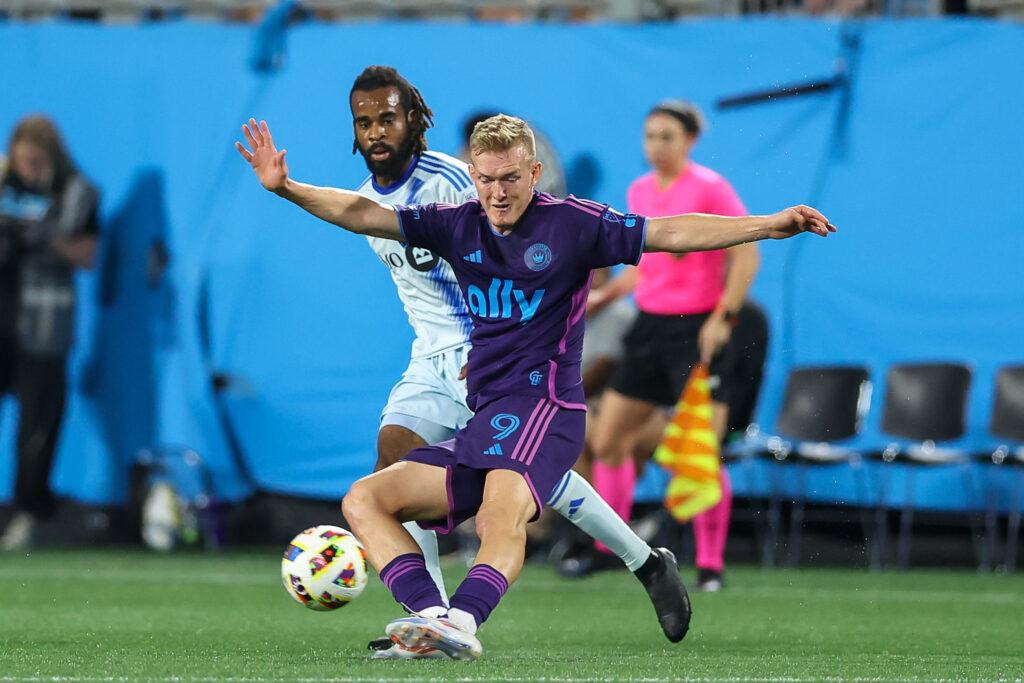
[[821, 406], [925, 403], [1007, 424]]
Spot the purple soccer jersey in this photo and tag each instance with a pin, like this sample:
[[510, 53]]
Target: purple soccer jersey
[[526, 291]]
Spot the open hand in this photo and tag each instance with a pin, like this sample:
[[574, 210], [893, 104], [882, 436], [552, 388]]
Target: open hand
[[798, 219], [266, 161]]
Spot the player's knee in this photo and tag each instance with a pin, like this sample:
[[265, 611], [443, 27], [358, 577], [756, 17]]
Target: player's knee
[[359, 505], [492, 522]]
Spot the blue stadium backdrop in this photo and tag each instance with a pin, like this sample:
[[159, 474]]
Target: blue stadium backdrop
[[918, 161]]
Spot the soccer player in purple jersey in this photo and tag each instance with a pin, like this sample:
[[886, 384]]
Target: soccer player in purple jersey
[[389, 118], [523, 262]]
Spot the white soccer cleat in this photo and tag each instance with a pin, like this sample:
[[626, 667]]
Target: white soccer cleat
[[416, 633], [19, 532]]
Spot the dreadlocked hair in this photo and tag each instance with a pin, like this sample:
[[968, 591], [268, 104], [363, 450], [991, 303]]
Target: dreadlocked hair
[[421, 117]]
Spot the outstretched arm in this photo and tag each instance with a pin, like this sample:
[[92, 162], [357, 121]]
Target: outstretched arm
[[703, 232], [343, 208]]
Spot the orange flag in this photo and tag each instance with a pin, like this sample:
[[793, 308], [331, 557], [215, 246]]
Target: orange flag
[[689, 450]]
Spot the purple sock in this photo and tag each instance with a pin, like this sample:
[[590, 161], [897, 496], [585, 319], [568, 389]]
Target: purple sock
[[480, 592], [407, 578]]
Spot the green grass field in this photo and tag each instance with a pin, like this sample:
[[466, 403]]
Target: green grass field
[[131, 615]]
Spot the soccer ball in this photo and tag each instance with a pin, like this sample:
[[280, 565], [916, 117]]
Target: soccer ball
[[324, 568]]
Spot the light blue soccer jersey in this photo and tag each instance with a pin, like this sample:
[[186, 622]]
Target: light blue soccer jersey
[[426, 285]]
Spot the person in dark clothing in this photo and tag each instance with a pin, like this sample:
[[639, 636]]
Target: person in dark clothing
[[745, 370], [48, 228]]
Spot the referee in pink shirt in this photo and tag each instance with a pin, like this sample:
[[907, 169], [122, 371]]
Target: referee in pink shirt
[[687, 309]]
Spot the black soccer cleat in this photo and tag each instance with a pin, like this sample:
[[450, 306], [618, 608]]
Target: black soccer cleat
[[667, 592], [378, 644]]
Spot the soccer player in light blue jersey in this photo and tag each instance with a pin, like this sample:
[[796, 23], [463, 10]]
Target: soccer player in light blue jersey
[[525, 283]]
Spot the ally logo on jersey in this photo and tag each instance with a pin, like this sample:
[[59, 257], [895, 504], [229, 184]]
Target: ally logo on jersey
[[502, 299]]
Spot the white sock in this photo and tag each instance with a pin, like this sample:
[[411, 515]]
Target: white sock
[[576, 500], [463, 620], [427, 541]]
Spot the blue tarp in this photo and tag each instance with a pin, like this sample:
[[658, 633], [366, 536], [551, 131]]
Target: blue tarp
[[920, 164]]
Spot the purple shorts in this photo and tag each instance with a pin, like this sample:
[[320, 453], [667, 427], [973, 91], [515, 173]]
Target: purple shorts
[[527, 434]]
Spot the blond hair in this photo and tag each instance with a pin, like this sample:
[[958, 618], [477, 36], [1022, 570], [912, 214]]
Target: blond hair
[[502, 132]]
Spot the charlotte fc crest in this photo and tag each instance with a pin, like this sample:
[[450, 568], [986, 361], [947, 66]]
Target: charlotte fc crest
[[538, 256]]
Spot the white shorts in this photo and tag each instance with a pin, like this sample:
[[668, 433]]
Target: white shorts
[[430, 400]]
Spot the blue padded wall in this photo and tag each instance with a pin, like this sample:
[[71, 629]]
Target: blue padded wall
[[919, 163]]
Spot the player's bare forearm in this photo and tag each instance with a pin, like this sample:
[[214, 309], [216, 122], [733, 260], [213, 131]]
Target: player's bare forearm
[[744, 262], [704, 232], [343, 208]]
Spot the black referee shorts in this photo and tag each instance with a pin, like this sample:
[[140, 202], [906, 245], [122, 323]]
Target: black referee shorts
[[660, 352]]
